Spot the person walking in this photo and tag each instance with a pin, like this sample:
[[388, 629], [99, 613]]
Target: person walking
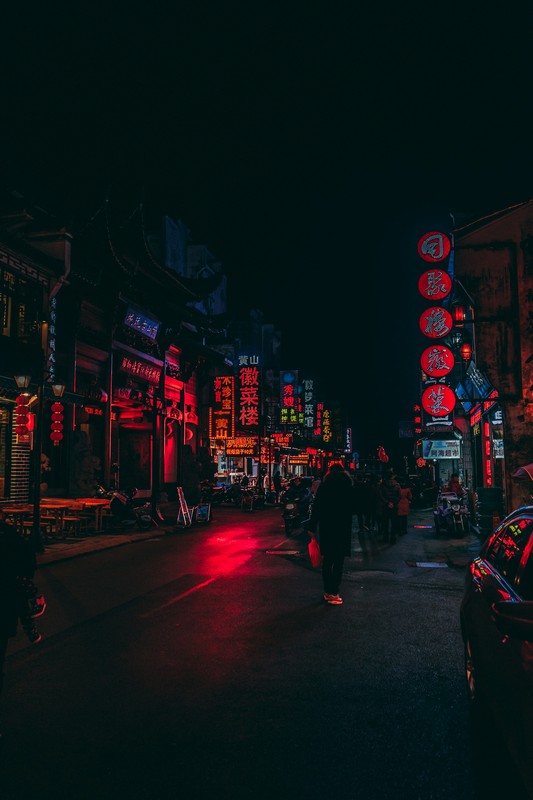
[[331, 518], [17, 567], [317, 480], [389, 492], [404, 506], [276, 480]]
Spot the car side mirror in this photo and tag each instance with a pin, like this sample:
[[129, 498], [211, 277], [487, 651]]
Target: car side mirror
[[514, 620]]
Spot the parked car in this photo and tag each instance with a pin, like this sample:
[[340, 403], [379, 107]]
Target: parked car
[[496, 618], [451, 515]]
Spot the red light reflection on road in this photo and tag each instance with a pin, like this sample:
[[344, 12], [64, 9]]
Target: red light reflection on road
[[222, 554]]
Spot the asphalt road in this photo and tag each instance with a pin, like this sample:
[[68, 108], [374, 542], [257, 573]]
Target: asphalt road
[[204, 664]]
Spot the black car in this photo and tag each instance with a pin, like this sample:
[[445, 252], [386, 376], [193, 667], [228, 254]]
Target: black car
[[497, 628]]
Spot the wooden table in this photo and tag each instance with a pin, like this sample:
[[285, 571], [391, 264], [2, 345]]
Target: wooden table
[[98, 505], [17, 514]]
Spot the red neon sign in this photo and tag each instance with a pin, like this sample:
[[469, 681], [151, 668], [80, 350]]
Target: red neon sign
[[437, 361], [434, 284], [434, 246], [438, 400], [435, 322]]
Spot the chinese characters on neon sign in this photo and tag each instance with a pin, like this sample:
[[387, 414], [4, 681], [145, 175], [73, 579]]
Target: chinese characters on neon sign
[[248, 390], [222, 413], [288, 381]]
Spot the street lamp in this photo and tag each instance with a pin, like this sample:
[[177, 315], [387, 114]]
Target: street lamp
[[23, 382]]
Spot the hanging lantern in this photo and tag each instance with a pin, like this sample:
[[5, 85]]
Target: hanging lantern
[[459, 315], [21, 415], [56, 428], [466, 351]]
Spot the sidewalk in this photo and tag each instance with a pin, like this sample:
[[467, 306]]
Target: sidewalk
[[420, 545], [81, 546]]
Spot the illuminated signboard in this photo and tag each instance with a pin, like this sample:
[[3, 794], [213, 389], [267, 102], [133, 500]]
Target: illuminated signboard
[[140, 369], [288, 383], [435, 322], [309, 405], [348, 440], [437, 360], [434, 246], [300, 458], [319, 420], [448, 448], [141, 323], [248, 379], [241, 446], [327, 432], [438, 400], [282, 439], [435, 284], [222, 412]]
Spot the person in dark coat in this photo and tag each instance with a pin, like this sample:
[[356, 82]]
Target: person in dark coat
[[331, 516], [17, 562], [389, 492]]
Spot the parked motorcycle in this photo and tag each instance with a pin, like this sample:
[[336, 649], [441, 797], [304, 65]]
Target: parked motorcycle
[[211, 493], [296, 512], [127, 513], [451, 515], [232, 495]]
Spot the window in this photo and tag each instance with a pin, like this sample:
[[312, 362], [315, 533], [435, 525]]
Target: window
[[509, 547]]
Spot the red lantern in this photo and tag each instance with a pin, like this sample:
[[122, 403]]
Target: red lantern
[[21, 418], [466, 351], [56, 427]]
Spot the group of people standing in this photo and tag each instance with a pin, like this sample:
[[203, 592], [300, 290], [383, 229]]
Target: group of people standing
[[382, 503]]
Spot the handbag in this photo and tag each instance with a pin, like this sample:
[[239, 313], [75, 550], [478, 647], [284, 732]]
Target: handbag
[[314, 553]]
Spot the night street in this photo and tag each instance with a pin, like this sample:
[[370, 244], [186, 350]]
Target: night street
[[205, 664]]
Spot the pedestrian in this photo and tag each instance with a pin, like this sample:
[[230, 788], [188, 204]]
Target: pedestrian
[[276, 480], [17, 565], [245, 480], [331, 522], [455, 485], [359, 502], [389, 492], [404, 506], [372, 502], [266, 483], [317, 480]]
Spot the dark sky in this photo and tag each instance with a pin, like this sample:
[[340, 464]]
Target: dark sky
[[308, 145]]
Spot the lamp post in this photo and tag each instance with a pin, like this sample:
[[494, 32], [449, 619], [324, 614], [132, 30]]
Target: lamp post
[[23, 382]]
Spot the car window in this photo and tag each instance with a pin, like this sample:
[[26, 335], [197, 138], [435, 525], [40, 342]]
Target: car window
[[507, 550]]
